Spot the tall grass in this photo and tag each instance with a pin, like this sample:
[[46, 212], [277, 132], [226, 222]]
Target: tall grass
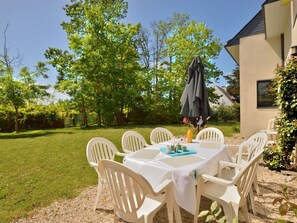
[[38, 167]]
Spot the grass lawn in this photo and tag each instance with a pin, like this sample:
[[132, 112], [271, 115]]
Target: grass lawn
[[39, 167]]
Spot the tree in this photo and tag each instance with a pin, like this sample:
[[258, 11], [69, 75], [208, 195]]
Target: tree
[[166, 51], [233, 83], [7, 60], [70, 79], [187, 40], [101, 72], [152, 48], [19, 90]]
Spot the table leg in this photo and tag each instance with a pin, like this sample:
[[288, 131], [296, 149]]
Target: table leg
[[198, 189]]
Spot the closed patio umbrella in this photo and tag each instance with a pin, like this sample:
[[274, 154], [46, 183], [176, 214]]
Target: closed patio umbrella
[[194, 100]]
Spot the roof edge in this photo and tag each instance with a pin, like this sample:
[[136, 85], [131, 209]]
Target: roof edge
[[231, 54], [229, 42]]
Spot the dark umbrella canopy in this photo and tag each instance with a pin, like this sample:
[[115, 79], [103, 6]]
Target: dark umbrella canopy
[[194, 100]]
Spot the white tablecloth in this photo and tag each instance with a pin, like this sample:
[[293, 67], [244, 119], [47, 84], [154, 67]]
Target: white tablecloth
[[156, 166]]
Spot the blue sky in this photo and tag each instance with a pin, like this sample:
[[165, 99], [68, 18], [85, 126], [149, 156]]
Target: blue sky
[[34, 25]]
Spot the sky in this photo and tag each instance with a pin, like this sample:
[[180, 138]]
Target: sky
[[34, 25]]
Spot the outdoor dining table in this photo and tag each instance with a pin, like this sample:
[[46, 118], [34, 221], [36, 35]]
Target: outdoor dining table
[[156, 165]]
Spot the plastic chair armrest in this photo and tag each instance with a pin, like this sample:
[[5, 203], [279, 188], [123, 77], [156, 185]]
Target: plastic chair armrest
[[127, 152], [121, 154], [232, 145], [217, 180], [92, 164], [229, 164], [224, 164]]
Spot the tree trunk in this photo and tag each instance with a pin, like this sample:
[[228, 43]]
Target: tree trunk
[[83, 113], [99, 120], [16, 120]]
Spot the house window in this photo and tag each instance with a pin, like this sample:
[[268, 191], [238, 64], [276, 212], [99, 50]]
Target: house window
[[265, 94]]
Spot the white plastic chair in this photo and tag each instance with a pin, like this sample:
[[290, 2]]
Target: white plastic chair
[[270, 131], [97, 149], [132, 141], [133, 197], [245, 155], [261, 138], [210, 135], [160, 134], [231, 195], [247, 150]]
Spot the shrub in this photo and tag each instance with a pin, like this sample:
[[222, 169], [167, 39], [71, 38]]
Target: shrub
[[274, 158], [285, 84], [236, 128], [6, 119], [215, 214], [226, 113], [41, 117]]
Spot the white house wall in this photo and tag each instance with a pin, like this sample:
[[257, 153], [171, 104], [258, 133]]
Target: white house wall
[[258, 60], [223, 100]]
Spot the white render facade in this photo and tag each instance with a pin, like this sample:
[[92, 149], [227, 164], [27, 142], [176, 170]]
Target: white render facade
[[264, 43]]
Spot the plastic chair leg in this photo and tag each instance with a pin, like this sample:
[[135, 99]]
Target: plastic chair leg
[[177, 214], [256, 185], [229, 212], [252, 200], [199, 186], [245, 212], [116, 218], [99, 188], [169, 204]]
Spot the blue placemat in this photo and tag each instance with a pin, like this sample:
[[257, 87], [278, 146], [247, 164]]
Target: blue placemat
[[178, 153]]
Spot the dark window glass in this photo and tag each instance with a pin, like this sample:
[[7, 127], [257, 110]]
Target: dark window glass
[[265, 94]]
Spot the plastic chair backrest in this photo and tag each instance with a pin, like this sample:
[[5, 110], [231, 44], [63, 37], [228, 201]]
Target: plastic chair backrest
[[270, 126], [132, 141], [261, 138], [211, 135], [160, 134], [245, 177], [128, 189], [247, 147], [100, 148]]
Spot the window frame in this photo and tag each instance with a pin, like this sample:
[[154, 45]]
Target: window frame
[[260, 104]]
